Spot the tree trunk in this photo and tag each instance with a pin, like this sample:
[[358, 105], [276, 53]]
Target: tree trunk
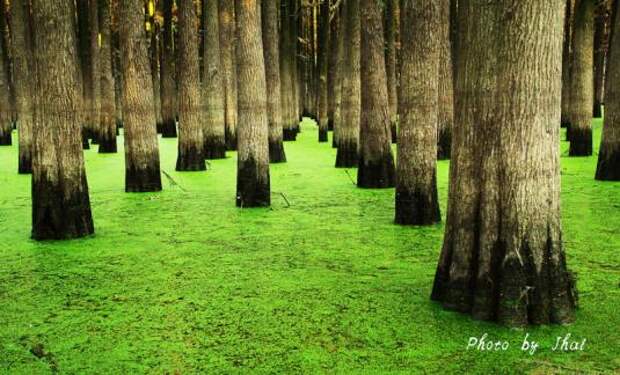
[[416, 186], [608, 167], [227, 50], [338, 74], [332, 68], [253, 186], [23, 73], [566, 64], [86, 78], [271, 51], [213, 87], [95, 72], [376, 163], [600, 52], [323, 67], [288, 68], [502, 257], [107, 134], [446, 84], [141, 146], [6, 126], [391, 23], [348, 137], [168, 77], [156, 69], [582, 80], [60, 202]]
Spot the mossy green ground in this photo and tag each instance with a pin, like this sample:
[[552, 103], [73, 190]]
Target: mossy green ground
[[182, 281]]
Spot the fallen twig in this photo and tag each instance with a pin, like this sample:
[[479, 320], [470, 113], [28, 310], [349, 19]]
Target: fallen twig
[[350, 178], [172, 181]]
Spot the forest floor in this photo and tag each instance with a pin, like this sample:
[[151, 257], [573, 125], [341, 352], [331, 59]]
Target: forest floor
[[182, 281]]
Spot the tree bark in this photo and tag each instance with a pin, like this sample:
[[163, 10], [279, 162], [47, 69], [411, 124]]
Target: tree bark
[[213, 87], [288, 69], [142, 171], [155, 50], [95, 71], [168, 76], [608, 167], [227, 50], [86, 78], [60, 202], [338, 75], [582, 80], [567, 52], [391, 23], [416, 186], [6, 125], [348, 136], [376, 163], [323, 67], [107, 134], [332, 68], [502, 257], [446, 84], [600, 52]]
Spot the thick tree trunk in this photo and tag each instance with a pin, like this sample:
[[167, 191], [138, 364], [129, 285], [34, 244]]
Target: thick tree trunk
[[323, 67], [227, 51], [95, 71], [168, 76], [213, 88], [60, 202], [566, 64], [502, 257], [253, 186], [23, 73], [582, 80], [142, 171], [271, 51], [608, 167], [376, 163], [348, 138], [6, 126], [191, 110], [446, 84], [391, 24], [600, 52], [107, 133], [288, 68], [416, 186], [338, 76]]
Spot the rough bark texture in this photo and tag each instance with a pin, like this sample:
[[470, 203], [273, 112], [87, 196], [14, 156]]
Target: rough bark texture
[[376, 163], [213, 87], [107, 130], [391, 25], [600, 52], [336, 94], [416, 186], [86, 77], [227, 57], [288, 68], [6, 125], [348, 135], [582, 80], [502, 257], [566, 64], [141, 146], [168, 77], [95, 71], [445, 118], [271, 49], [191, 111], [23, 74], [608, 167], [332, 67], [156, 68], [323, 65], [60, 202], [253, 186]]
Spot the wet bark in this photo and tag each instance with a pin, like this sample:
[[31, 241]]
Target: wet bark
[[107, 133], [446, 84], [502, 257], [566, 64], [142, 171], [391, 25], [227, 58], [60, 202], [168, 77], [6, 124]]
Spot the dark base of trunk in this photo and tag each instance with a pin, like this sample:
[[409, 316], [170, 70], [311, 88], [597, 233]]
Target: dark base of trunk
[[24, 164], [608, 167], [215, 148], [568, 132], [85, 143], [5, 140], [347, 155], [169, 129], [276, 152], [252, 189], [444, 145], [323, 135], [289, 134], [334, 143], [596, 111], [159, 126], [564, 123], [330, 124], [231, 140], [394, 132], [107, 145], [191, 159], [417, 207], [581, 142], [376, 174], [142, 180], [56, 216]]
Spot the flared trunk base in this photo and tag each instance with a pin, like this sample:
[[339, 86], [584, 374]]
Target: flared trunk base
[[376, 174], [276, 152], [107, 145], [289, 134], [231, 140], [253, 188], [169, 129], [323, 135], [330, 124], [394, 132], [142, 180], [25, 164], [5, 140], [608, 167], [596, 110], [85, 143], [215, 148], [347, 154], [417, 207], [580, 142]]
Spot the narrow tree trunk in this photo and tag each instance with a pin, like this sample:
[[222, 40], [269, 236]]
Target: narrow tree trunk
[[376, 163], [391, 24], [253, 186], [332, 68], [502, 256], [600, 44], [116, 68], [416, 186], [85, 68], [608, 167], [107, 134], [6, 125], [213, 88], [323, 67], [271, 51], [141, 147], [227, 51], [95, 70], [566, 64], [23, 73], [446, 84], [168, 77], [347, 155], [156, 69], [338, 76], [582, 80], [60, 202], [288, 68]]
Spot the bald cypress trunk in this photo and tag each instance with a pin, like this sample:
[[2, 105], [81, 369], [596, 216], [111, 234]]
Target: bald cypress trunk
[[376, 163], [86, 78], [323, 65], [95, 72], [566, 64], [288, 69], [60, 202], [168, 76], [608, 167], [582, 80], [213, 87], [336, 96], [416, 186], [600, 52], [446, 83], [107, 133], [348, 135], [227, 58], [141, 146], [332, 68], [502, 257], [156, 68], [253, 186], [391, 24], [6, 125], [271, 51], [23, 73]]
